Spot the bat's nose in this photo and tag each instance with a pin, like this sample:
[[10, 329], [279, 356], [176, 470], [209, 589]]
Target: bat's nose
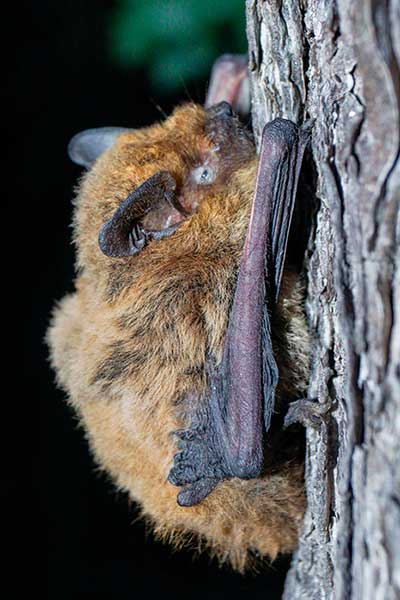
[[222, 109]]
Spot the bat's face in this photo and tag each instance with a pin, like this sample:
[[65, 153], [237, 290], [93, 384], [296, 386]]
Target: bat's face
[[154, 190]]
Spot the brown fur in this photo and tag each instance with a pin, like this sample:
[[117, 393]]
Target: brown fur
[[131, 342]]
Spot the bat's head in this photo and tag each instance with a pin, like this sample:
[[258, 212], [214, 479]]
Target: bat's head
[[160, 190]]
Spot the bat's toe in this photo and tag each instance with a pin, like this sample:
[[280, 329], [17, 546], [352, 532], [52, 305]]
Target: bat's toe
[[194, 494], [183, 471]]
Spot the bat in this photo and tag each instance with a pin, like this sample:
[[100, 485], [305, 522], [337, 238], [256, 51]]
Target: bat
[[185, 339]]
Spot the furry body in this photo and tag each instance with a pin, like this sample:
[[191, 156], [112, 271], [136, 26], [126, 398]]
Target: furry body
[[130, 345]]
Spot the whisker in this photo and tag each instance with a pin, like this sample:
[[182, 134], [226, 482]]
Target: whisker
[[158, 107]]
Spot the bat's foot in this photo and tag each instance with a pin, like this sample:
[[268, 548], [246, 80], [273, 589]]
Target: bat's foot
[[308, 412], [191, 463], [198, 465]]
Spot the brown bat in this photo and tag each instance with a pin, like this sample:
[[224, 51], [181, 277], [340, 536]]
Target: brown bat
[[182, 319]]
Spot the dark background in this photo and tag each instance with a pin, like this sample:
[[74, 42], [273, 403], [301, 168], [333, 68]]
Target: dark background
[[61, 80]]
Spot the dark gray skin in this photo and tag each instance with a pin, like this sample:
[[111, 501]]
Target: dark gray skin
[[228, 430]]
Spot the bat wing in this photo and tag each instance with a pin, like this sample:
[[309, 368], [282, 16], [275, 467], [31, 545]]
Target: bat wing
[[288, 142], [227, 430]]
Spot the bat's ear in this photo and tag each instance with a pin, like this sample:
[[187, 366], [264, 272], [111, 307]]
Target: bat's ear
[[85, 147], [145, 215]]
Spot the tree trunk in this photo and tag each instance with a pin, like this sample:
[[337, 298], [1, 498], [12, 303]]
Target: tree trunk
[[338, 62]]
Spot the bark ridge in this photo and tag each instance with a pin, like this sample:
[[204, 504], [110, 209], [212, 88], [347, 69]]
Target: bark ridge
[[338, 62]]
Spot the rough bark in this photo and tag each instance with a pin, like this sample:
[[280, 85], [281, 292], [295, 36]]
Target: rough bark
[[338, 62]]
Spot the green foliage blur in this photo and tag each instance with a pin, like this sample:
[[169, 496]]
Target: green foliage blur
[[176, 41]]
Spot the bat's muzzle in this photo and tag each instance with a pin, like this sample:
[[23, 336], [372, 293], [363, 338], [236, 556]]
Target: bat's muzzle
[[220, 110]]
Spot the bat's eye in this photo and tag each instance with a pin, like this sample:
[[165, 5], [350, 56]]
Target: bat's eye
[[203, 175]]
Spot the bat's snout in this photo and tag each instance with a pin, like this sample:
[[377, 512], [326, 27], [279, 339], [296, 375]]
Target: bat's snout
[[220, 110], [230, 137]]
